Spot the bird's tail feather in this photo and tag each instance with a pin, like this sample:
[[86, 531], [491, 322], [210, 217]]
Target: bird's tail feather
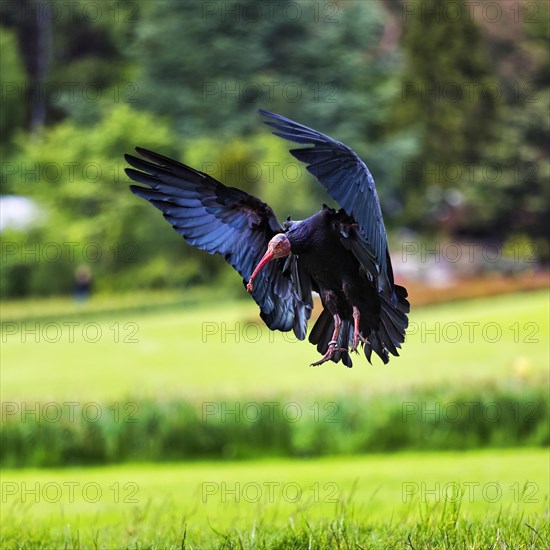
[[384, 337], [390, 332]]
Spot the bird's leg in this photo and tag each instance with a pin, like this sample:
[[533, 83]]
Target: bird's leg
[[357, 336], [333, 344]]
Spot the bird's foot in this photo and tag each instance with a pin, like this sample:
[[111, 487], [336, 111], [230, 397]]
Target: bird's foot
[[332, 349], [357, 337]]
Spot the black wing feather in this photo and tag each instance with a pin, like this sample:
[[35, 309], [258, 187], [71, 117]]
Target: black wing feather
[[343, 174], [360, 225], [349, 182], [226, 221]]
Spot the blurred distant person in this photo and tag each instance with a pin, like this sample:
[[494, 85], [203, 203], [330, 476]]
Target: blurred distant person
[[83, 283]]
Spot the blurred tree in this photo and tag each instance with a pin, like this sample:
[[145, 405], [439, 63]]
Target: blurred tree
[[517, 201], [319, 64], [12, 83], [477, 92], [448, 94], [89, 214], [34, 32], [73, 56], [295, 57]]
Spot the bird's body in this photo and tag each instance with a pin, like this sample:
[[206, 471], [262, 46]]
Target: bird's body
[[334, 272], [317, 245], [341, 254], [337, 276]]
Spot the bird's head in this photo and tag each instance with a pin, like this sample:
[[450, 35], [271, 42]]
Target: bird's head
[[278, 247]]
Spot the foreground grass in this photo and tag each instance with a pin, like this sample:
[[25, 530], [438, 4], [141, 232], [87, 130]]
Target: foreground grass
[[440, 527], [221, 350], [448, 500]]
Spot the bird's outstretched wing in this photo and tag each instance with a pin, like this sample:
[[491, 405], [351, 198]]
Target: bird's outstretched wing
[[226, 221], [346, 178], [360, 227]]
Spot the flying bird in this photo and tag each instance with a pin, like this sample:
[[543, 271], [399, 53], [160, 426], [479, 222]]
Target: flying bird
[[340, 254]]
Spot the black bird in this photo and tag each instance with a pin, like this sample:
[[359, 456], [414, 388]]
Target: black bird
[[341, 254]]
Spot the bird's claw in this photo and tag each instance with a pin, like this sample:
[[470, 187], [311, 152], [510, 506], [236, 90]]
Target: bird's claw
[[357, 337], [332, 349]]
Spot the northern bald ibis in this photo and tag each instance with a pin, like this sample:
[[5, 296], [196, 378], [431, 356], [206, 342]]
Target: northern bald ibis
[[341, 254]]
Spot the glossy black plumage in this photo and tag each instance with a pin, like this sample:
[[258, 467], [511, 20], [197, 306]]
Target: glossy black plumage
[[226, 221], [341, 254], [344, 175]]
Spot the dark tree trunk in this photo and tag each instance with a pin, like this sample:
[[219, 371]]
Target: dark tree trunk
[[39, 66]]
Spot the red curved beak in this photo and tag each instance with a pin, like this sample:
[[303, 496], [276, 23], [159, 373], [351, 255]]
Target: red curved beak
[[266, 258]]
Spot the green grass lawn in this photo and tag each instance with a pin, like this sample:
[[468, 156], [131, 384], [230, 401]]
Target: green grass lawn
[[140, 506], [217, 350]]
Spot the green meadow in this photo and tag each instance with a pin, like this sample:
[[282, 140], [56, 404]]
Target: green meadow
[[223, 349], [218, 352]]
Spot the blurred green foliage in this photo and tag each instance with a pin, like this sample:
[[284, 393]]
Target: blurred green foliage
[[12, 80], [447, 94], [172, 430], [186, 78], [90, 215]]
